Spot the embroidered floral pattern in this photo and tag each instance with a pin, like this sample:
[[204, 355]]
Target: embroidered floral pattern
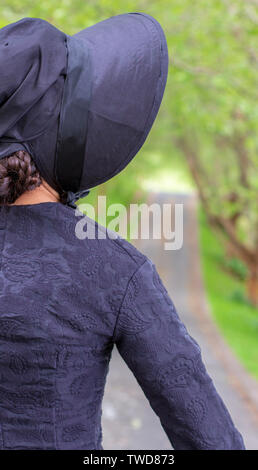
[[19, 270], [167, 363], [64, 303]]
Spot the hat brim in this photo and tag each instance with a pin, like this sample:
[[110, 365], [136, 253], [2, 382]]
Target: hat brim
[[129, 58], [10, 148]]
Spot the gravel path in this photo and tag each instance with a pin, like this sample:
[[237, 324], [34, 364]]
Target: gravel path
[[128, 421]]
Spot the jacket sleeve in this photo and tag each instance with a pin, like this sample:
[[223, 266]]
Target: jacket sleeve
[[167, 363]]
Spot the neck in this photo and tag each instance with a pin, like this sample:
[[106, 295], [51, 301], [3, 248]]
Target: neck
[[43, 193]]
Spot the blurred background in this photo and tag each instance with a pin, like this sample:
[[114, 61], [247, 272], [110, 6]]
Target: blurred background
[[202, 152]]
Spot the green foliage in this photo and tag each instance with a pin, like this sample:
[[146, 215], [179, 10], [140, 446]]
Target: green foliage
[[210, 98], [208, 101], [240, 297], [236, 266], [236, 318]]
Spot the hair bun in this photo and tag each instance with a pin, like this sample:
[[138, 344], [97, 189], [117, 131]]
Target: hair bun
[[18, 173]]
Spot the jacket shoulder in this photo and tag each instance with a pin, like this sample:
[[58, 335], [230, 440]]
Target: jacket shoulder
[[123, 245], [112, 242]]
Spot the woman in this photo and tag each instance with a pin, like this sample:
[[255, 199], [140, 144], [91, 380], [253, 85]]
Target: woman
[[65, 301]]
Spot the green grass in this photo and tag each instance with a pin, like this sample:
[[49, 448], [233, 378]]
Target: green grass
[[235, 317]]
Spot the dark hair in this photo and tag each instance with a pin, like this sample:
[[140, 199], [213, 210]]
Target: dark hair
[[18, 173]]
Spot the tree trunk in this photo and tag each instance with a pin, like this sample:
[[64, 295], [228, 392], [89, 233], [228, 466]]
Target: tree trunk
[[223, 224], [252, 285], [230, 251]]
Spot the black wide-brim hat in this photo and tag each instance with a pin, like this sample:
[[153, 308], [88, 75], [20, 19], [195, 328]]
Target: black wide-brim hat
[[81, 105]]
